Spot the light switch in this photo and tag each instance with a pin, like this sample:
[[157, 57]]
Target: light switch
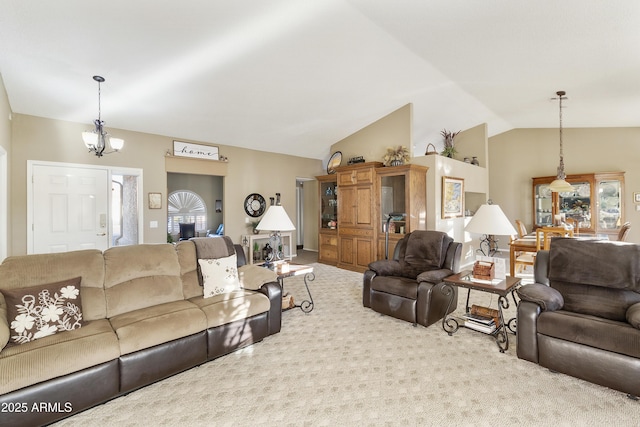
[[153, 224]]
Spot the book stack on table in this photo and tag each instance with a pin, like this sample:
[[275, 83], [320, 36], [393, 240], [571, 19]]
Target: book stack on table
[[481, 319]]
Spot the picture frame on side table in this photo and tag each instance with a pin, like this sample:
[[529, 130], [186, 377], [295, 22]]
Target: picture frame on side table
[[155, 200], [452, 197]]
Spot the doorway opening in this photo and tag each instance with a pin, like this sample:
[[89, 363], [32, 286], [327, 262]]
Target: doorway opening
[[124, 210]]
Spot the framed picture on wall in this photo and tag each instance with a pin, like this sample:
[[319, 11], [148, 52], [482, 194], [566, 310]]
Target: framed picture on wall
[[155, 200], [452, 197], [636, 197]]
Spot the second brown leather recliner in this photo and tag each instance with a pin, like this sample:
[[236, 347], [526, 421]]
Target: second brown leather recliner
[[409, 286]]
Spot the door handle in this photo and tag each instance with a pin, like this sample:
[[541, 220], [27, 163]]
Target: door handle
[[101, 234]]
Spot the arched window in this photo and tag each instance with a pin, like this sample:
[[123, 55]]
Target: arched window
[[186, 206]]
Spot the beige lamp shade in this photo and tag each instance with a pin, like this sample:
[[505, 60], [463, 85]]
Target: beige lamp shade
[[276, 219], [490, 219]]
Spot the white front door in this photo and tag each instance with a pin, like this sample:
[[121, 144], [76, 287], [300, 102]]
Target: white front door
[[69, 209]]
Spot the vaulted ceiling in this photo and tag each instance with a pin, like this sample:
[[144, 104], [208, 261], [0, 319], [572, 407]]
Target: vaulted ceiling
[[294, 76]]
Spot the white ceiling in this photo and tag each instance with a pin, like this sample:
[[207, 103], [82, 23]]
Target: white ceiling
[[294, 76]]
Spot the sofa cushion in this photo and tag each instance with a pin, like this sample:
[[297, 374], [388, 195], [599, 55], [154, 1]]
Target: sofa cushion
[[35, 312], [220, 275], [150, 326], [394, 285], [597, 300], [226, 308], [141, 276], [40, 269], [605, 334], [188, 260], [583, 262], [57, 355], [633, 315], [425, 250]]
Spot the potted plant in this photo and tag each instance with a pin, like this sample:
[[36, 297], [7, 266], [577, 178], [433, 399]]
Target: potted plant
[[252, 225], [396, 156], [449, 147]]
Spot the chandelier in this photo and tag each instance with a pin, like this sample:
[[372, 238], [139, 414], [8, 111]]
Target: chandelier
[[96, 140], [560, 184]]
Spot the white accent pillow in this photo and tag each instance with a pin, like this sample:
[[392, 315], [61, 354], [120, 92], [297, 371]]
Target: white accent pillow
[[220, 276]]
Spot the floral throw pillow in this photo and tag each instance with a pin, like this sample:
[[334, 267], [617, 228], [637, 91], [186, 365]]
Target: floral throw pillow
[[39, 311], [220, 276]]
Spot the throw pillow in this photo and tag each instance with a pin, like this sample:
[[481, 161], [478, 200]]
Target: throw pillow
[[39, 311], [220, 275]]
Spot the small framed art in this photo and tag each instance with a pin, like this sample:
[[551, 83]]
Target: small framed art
[[155, 200], [452, 197], [636, 197]]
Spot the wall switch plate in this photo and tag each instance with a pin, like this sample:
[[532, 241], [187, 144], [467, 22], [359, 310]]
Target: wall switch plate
[[153, 224]]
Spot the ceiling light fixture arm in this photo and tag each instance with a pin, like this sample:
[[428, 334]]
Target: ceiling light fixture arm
[[97, 139]]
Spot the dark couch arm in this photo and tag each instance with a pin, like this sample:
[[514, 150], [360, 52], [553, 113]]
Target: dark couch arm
[[534, 299], [274, 292], [386, 267], [366, 287], [547, 298], [434, 276], [633, 315]]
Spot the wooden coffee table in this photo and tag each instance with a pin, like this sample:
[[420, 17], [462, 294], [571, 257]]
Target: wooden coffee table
[[502, 289]]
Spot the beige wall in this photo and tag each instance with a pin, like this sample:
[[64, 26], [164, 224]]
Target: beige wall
[[372, 141], [521, 154], [248, 171], [5, 155]]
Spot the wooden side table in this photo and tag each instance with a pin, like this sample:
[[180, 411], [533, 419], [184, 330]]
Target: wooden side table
[[502, 289]]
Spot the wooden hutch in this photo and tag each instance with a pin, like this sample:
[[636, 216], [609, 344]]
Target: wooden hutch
[[355, 204]]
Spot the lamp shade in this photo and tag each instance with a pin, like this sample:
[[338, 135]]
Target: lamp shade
[[276, 219], [560, 186], [490, 219]]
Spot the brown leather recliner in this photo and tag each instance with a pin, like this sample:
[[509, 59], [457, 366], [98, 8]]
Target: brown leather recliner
[[409, 286], [582, 316]]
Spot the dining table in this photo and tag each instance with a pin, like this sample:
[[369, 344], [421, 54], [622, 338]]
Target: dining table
[[528, 244]]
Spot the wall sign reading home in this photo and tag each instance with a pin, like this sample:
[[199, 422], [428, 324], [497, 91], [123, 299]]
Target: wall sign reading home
[[196, 151]]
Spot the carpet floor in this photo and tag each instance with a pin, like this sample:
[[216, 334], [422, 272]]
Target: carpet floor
[[345, 365]]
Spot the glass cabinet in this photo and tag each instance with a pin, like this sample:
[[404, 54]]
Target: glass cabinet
[[401, 197], [595, 203], [327, 226]]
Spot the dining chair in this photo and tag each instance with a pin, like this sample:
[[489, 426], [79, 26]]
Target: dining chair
[[573, 223], [523, 259], [624, 231], [522, 230], [544, 235]]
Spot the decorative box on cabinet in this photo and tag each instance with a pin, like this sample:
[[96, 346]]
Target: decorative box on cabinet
[[356, 217], [399, 189], [597, 202], [328, 218]]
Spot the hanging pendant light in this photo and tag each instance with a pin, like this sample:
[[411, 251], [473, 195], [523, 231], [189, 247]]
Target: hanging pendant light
[[96, 140], [560, 185]]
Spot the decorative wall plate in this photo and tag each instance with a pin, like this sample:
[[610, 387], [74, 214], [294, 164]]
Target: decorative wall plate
[[334, 162], [254, 205]]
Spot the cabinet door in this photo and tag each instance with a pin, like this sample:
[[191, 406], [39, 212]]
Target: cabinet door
[[347, 202], [543, 210], [345, 250], [364, 253], [363, 209], [609, 205]]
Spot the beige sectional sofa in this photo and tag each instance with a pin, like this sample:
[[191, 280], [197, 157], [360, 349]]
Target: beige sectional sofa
[[145, 318]]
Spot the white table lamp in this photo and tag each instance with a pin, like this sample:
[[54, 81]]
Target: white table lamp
[[490, 221]]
